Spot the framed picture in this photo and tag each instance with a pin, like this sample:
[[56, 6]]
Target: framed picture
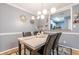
[[76, 19], [23, 18]]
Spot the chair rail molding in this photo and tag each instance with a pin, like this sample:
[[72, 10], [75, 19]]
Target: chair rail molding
[[11, 33]]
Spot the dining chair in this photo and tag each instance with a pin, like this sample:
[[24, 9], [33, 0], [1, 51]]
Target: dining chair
[[26, 34], [35, 32], [55, 46], [46, 49]]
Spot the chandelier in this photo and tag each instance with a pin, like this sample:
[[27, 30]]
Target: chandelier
[[43, 13]]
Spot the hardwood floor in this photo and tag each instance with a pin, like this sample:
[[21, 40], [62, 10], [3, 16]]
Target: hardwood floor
[[14, 51], [74, 52], [9, 51]]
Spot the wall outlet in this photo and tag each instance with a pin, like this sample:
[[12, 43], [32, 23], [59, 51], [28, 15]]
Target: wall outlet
[[64, 41]]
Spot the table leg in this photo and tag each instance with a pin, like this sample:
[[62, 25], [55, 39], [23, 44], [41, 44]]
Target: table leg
[[70, 51], [19, 47], [24, 50]]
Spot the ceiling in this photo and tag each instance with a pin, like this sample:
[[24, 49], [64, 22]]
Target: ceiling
[[32, 8], [62, 14]]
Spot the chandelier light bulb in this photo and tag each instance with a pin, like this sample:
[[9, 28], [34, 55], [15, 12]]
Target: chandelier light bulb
[[53, 10], [42, 16], [39, 13], [38, 17], [33, 18], [44, 11]]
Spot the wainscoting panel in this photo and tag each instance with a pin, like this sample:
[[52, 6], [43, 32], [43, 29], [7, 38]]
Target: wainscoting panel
[[9, 40]]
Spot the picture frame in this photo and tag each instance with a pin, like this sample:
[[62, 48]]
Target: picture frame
[[23, 18]]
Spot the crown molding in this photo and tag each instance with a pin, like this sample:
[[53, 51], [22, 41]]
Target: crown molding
[[65, 8], [59, 10], [11, 4]]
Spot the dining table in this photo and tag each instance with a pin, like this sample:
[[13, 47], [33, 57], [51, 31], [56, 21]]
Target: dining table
[[32, 43]]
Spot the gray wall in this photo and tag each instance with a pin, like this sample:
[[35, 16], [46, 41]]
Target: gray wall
[[10, 17], [76, 29], [8, 41], [9, 22], [70, 40]]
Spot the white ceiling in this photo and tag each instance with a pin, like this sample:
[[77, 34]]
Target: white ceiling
[[32, 8]]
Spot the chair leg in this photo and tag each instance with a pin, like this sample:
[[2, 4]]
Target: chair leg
[[57, 50], [52, 51], [30, 52]]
